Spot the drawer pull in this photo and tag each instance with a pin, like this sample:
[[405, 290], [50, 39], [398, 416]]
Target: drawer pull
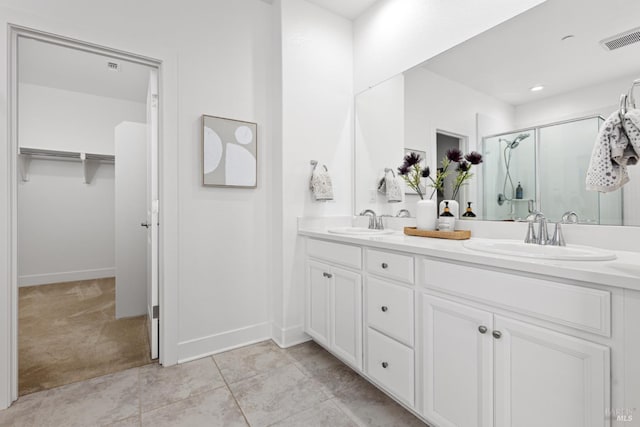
[[384, 308], [497, 334], [483, 329], [384, 365], [385, 265], [327, 275]]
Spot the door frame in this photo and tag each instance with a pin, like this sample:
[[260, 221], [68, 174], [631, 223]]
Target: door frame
[[166, 352]]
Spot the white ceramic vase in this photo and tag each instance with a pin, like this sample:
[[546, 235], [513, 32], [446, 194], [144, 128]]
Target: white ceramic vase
[[426, 215], [454, 208]]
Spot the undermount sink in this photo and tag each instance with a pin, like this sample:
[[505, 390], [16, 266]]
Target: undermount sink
[[359, 231], [526, 250]]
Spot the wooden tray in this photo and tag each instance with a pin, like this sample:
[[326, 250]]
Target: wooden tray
[[452, 235]]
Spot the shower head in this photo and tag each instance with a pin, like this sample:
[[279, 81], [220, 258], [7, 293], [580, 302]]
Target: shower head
[[518, 139]]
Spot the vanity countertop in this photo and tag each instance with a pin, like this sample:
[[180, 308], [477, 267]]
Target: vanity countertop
[[623, 272]]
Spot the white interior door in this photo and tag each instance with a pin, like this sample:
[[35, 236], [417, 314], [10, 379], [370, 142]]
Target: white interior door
[[153, 311], [130, 210]]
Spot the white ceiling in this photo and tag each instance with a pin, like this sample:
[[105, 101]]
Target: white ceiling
[[349, 9], [50, 65], [527, 50]]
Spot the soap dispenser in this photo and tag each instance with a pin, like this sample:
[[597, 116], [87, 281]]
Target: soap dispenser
[[447, 221], [468, 213], [519, 191]]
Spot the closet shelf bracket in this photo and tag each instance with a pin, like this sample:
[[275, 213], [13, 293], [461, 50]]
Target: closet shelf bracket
[[90, 161]]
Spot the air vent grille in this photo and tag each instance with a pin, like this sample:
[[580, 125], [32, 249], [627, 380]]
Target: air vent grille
[[113, 66], [621, 40]]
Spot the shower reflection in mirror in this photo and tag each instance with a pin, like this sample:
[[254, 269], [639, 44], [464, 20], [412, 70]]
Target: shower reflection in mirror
[[542, 169]]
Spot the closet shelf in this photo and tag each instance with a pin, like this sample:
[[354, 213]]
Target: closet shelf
[[26, 154]]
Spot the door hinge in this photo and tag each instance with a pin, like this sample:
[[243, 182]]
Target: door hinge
[[156, 312]]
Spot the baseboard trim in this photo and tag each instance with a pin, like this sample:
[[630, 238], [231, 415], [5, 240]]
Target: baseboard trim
[[225, 341], [65, 276], [288, 337]]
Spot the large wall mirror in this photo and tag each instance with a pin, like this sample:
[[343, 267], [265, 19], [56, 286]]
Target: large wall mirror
[[530, 95]]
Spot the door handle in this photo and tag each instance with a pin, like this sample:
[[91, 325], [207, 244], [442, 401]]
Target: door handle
[[145, 224]]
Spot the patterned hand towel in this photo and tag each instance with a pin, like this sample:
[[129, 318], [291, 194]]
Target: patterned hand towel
[[390, 187], [320, 184], [608, 166]]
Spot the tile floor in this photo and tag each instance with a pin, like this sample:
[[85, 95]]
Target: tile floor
[[258, 385]]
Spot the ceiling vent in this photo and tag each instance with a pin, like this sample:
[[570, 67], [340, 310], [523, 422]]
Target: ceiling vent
[[113, 66], [621, 40]]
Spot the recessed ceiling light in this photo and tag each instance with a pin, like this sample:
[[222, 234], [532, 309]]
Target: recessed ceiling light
[[567, 37], [536, 88]]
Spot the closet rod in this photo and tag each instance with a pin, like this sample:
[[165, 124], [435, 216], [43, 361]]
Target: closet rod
[[39, 152]]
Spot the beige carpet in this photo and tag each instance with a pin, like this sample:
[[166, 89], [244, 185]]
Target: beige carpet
[[68, 333]]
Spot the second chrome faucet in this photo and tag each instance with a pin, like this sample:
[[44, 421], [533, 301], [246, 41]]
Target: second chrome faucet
[[542, 235]]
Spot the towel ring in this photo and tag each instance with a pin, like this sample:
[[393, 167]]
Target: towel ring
[[631, 101], [623, 103]]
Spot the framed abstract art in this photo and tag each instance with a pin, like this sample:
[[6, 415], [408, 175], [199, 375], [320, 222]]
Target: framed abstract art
[[229, 153]]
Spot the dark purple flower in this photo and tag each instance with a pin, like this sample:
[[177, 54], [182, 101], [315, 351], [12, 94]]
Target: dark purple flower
[[463, 166], [412, 159], [404, 169], [426, 172], [454, 155], [474, 158]]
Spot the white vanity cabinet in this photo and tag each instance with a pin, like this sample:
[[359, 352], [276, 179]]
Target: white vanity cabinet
[[475, 361], [467, 345], [334, 301]]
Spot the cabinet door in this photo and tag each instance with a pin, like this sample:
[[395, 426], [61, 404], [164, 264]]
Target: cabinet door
[[544, 378], [346, 315], [457, 364], [317, 296]]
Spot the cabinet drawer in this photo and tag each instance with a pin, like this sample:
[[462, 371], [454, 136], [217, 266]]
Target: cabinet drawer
[[394, 266], [390, 309], [575, 306], [347, 255], [390, 364]]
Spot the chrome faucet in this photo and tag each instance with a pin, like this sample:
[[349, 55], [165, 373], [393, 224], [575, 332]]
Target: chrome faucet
[[403, 213], [379, 223], [542, 237], [372, 218]]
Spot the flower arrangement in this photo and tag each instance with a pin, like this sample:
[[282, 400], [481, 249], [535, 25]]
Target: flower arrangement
[[413, 173]]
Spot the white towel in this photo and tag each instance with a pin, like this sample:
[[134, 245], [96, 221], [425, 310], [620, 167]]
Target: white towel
[[611, 154], [320, 183], [390, 187]]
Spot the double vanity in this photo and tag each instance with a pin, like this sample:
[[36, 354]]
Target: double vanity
[[463, 335]]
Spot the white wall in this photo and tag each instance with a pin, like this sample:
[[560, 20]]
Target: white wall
[[58, 119], [317, 124], [395, 35], [216, 59], [56, 209], [65, 227]]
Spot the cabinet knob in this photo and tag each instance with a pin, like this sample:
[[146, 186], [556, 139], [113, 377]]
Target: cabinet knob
[[482, 329], [385, 265], [384, 365], [384, 308], [497, 334], [327, 275]]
